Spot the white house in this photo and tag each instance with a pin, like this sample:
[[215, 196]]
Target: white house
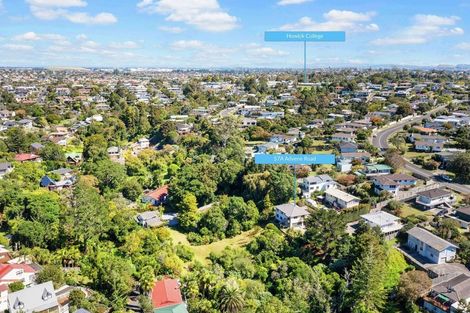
[[340, 137], [447, 295], [143, 143], [340, 199], [291, 215], [434, 197], [316, 183], [38, 298], [430, 246], [5, 168], [10, 273], [389, 224]]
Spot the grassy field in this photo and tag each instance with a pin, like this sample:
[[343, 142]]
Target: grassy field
[[202, 252], [408, 210]]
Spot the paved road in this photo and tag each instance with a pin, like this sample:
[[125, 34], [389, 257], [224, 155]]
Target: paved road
[[380, 140]]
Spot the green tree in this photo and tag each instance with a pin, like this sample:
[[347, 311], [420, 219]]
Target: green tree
[[95, 148], [51, 273], [15, 286], [189, 214]]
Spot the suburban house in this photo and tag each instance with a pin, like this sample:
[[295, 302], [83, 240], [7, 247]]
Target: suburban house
[[184, 128], [388, 224], [10, 273], [248, 122], [149, 219], [73, 158], [426, 138], [283, 139], [462, 216], [5, 168], [340, 137], [143, 143], [362, 157], [347, 147], [157, 196], [340, 199], [430, 246], [266, 147], [66, 179], [377, 169], [36, 147], [291, 215], [166, 297], [115, 154], [446, 296], [431, 198], [393, 183], [27, 157], [316, 183], [38, 298], [426, 146]]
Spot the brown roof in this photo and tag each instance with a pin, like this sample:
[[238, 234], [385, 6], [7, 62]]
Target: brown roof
[[434, 193]]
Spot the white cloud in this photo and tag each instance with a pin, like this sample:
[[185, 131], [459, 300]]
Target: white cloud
[[124, 45], [54, 9], [15, 47], [463, 46], [171, 29], [81, 37], [85, 18], [203, 14], [187, 44], [423, 29], [336, 20], [57, 3], [289, 2], [32, 36], [262, 51]]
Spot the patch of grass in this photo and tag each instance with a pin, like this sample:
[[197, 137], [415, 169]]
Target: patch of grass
[[201, 253], [408, 210]]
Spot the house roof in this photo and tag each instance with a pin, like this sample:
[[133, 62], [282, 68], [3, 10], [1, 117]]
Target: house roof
[[158, 193], [464, 210], [25, 157], [165, 293], [4, 166], [429, 144], [339, 194], [291, 210], [430, 239], [318, 179], [434, 193], [7, 268], [456, 288], [33, 299], [380, 218]]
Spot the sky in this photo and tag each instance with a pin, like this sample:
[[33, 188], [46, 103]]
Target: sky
[[229, 33]]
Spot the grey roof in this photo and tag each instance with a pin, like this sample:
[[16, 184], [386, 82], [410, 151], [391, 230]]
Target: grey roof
[[380, 218], [456, 288], [434, 193], [430, 239], [82, 311], [291, 210], [33, 299], [4, 166], [62, 171], [318, 179]]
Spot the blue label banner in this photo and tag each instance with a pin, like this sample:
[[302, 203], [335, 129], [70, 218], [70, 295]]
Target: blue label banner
[[293, 159], [305, 36]]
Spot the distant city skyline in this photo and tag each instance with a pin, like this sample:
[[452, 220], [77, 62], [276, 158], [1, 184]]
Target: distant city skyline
[[229, 33]]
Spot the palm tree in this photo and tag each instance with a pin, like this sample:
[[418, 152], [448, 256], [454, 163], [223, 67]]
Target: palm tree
[[231, 298]]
